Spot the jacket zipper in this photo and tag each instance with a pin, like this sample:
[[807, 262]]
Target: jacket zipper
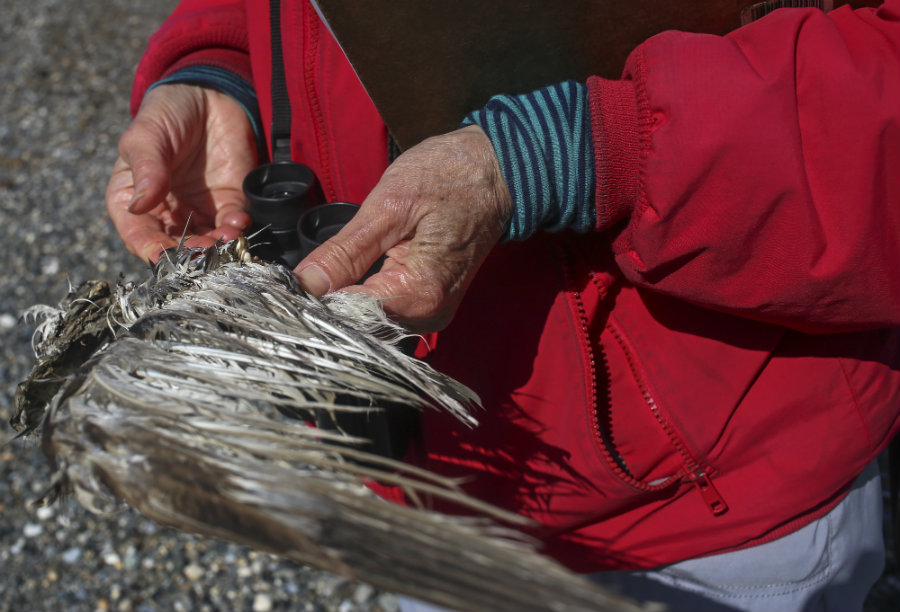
[[604, 446], [692, 472], [310, 62]]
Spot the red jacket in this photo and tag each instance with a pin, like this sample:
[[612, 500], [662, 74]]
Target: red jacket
[[716, 363]]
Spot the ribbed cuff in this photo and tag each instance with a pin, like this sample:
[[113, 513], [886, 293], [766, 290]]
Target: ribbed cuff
[[543, 141], [620, 137]]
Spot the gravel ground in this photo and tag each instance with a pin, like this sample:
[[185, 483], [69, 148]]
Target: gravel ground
[[65, 69]]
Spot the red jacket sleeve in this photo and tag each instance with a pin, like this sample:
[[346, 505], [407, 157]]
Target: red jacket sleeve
[[760, 172], [209, 32]]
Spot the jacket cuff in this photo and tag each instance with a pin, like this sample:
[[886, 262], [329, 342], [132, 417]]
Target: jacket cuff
[[220, 43], [235, 62], [620, 139]]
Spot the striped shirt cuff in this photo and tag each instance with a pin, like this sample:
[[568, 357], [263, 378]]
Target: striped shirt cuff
[[226, 82], [544, 144]]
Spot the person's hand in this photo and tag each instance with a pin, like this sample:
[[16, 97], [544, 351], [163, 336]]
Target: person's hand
[[184, 156], [436, 212]]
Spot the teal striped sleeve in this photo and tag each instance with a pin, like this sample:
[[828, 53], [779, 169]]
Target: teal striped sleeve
[[544, 144]]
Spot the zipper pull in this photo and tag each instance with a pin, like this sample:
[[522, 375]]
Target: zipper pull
[[710, 494]]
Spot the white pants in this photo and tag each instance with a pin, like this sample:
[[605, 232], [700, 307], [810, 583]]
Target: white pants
[[831, 564]]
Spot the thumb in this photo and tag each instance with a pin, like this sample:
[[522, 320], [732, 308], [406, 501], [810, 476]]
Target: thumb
[[345, 258]]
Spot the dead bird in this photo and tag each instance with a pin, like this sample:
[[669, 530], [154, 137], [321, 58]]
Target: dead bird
[[192, 397]]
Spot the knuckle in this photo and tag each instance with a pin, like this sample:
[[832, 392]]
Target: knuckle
[[127, 141], [342, 263], [396, 197], [429, 298]]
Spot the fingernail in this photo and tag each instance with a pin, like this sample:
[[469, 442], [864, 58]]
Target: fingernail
[[140, 190], [313, 279]]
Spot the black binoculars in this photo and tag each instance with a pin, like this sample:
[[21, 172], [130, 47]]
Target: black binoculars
[[290, 219]]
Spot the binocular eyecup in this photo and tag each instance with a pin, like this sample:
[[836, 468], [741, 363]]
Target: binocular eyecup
[[277, 195]]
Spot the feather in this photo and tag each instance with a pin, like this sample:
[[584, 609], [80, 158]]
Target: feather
[[190, 396]]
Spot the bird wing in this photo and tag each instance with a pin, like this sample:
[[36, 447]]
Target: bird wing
[[198, 408]]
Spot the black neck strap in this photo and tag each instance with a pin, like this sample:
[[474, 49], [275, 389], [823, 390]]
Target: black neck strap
[[281, 104]]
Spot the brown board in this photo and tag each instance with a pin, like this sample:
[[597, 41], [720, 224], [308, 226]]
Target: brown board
[[427, 63]]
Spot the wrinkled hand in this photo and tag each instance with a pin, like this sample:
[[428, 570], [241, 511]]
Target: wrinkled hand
[[436, 213], [184, 155]]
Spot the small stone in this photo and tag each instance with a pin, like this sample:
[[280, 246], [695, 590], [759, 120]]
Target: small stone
[[50, 266], [71, 556], [362, 594], [7, 321], [388, 602], [193, 572], [31, 530], [44, 513], [131, 559], [262, 603], [113, 559]]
